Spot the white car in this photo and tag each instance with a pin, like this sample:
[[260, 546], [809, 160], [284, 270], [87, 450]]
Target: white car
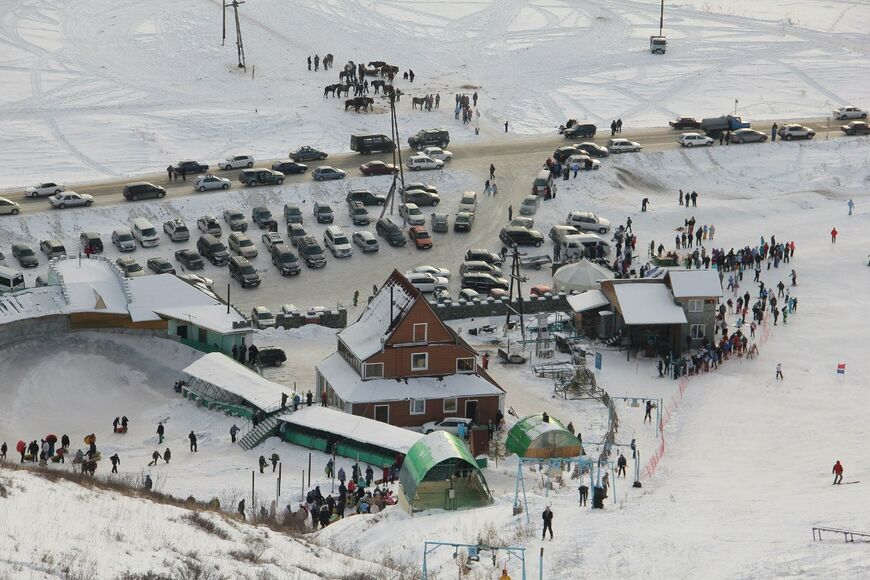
[[262, 317], [204, 182], [427, 282], [412, 214], [694, 139], [586, 221], [438, 154], [584, 161], [623, 146], [289, 309], [450, 424], [271, 238], [237, 161], [468, 202], [850, 112], [47, 188], [530, 205], [366, 241], [442, 272], [67, 199], [420, 162]]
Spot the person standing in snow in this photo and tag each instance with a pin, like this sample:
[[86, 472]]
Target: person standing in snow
[[167, 455], [263, 463], [510, 212], [154, 457], [648, 415], [234, 430], [505, 126], [274, 459], [241, 509], [547, 516], [620, 465], [3, 449], [116, 461], [309, 398], [192, 437], [160, 431], [584, 494], [773, 133], [370, 475], [779, 372], [838, 473], [851, 206], [834, 233]]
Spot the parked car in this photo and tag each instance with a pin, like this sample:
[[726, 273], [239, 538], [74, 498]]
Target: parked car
[[850, 112], [564, 152], [365, 197], [390, 232], [142, 190], [235, 219], [160, 266], [434, 270], [242, 245], [593, 150], [378, 168], [520, 236], [295, 232], [67, 199], [211, 248], [421, 198], [189, 259], [438, 154], [336, 240], [293, 214], [421, 186], [483, 282], [469, 295], [623, 146], [463, 221], [583, 162], [263, 218], [427, 282], [189, 166], [311, 252], [423, 162], [359, 215], [91, 242], [237, 162], [424, 137], [208, 224], [748, 136], [582, 129], [122, 238], [271, 239], [327, 173], [420, 236], [323, 212], [271, 356], [586, 221], [794, 131], [52, 248], [694, 139], [210, 181], [25, 255], [129, 267], [856, 128], [440, 222], [468, 202], [530, 205], [682, 123], [484, 256], [254, 177], [7, 207], [365, 241], [558, 232], [450, 424], [47, 188], [307, 153], [177, 230], [539, 290], [289, 167], [262, 317], [523, 221], [479, 266], [284, 259], [412, 214], [243, 271]]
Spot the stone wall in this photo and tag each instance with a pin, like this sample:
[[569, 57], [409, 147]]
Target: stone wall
[[334, 318]]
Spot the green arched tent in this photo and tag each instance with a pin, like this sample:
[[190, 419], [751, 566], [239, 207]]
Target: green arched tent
[[435, 465], [531, 437]]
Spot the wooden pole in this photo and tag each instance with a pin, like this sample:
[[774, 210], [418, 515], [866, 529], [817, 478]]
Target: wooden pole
[[309, 469]]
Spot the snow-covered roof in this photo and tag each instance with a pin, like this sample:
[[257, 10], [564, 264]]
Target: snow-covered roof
[[587, 300], [93, 284], [354, 427], [32, 303], [223, 372], [648, 303], [364, 337], [352, 389], [695, 283]]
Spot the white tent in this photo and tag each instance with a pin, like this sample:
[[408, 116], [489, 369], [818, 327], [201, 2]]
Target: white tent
[[580, 276]]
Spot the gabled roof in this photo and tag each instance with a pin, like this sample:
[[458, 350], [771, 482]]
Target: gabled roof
[[389, 306], [695, 283], [642, 302]]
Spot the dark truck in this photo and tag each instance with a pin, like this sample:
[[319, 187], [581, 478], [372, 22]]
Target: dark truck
[[715, 127], [429, 137], [367, 144]]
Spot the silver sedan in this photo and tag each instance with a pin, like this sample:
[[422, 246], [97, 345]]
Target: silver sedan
[[748, 136], [204, 182]]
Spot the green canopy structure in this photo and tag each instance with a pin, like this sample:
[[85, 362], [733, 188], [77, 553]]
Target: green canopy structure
[[439, 472], [532, 438]]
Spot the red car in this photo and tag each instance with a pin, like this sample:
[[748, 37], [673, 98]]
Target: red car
[[421, 237], [540, 290], [377, 168]]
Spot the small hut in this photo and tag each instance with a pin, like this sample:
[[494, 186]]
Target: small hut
[[440, 473], [533, 438]]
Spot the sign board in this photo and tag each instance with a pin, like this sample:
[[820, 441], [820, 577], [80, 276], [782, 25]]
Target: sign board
[[598, 361]]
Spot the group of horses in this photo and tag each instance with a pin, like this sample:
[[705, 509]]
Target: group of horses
[[352, 77], [357, 103]]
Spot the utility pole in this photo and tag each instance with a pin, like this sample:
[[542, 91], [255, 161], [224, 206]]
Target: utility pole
[[398, 177], [516, 282], [240, 48], [662, 18]]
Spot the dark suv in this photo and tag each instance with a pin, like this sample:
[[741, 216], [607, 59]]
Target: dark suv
[[580, 130], [366, 197], [483, 282], [390, 232], [253, 177], [243, 271], [420, 197], [311, 252], [285, 260], [211, 248], [142, 190], [480, 255], [189, 166], [520, 236], [323, 213], [91, 241], [429, 137]]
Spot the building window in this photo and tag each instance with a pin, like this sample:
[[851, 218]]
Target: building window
[[421, 332], [697, 330], [450, 405], [203, 335], [374, 371], [696, 305], [418, 406], [465, 365], [420, 361]]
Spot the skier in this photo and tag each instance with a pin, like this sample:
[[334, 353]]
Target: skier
[[793, 278], [834, 233], [644, 204], [263, 463], [779, 372], [694, 196], [160, 431], [680, 197], [274, 459], [234, 430], [192, 437], [115, 462], [838, 473], [620, 465], [115, 424], [547, 516]]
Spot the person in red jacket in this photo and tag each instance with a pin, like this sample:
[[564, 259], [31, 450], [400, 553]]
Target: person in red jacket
[[838, 473], [834, 233]]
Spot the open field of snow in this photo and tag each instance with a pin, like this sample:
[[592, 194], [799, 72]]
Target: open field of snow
[[98, 89]]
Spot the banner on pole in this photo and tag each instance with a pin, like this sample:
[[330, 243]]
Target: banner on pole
[[841, 368]]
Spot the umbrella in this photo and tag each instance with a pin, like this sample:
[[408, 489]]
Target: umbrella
[[580, 276]]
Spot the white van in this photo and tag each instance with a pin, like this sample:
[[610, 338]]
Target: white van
[[544, 184], [584, 245], [10, 280], [145, 233]]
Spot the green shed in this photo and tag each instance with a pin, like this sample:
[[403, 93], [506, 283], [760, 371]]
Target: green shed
[[439, 472], [531, 437]]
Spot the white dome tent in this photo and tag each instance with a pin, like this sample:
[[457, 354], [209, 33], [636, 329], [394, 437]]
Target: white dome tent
[[580, 276]]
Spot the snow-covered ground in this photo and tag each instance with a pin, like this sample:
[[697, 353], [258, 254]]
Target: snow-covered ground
[[102, 89]]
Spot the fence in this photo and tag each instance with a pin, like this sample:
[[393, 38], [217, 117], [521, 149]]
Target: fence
[[489, 306]]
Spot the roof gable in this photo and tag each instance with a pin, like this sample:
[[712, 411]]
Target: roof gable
[[421, 312], [695, 283]]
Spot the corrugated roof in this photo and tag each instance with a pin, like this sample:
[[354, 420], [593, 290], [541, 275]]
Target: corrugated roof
[[532, 437], [428, 452]]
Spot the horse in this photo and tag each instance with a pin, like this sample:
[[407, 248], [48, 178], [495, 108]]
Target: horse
[[359, 103], [371, 72], [376, 85], [331, 89], [418, 101], [342, 88], [386, 70], [377, 63]]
